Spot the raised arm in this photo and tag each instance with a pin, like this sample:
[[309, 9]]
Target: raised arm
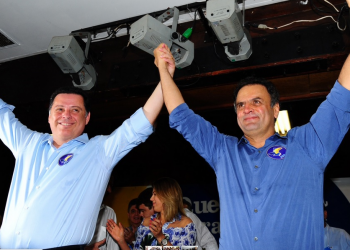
[[154, 104], [344, 77], [12, 132], [190, 125], [165, 62]]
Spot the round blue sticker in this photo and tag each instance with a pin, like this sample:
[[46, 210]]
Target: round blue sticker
[[277, 152], [65, 159]]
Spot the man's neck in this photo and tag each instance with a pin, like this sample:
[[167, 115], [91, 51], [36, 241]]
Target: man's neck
[[57, 145], [258, 141]]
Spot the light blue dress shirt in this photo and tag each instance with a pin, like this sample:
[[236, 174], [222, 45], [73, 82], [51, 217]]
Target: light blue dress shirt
[[51, 205], [271, 197]]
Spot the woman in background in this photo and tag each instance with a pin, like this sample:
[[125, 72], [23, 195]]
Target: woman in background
[[169, 226]]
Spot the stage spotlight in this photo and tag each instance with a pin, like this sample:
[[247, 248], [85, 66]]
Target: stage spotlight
[[147, 33], [70, 57]]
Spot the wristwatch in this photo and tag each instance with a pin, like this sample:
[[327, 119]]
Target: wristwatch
[[164, 242]]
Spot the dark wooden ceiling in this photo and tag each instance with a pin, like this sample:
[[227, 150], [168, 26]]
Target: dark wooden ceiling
[[303, 60]]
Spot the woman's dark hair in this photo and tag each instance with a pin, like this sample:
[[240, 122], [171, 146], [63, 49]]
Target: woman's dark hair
[[71, 90], [251, 80]]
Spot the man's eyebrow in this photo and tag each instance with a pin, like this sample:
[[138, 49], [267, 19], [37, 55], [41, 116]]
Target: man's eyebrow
[[254, 98], [59, 105], [77, 107]]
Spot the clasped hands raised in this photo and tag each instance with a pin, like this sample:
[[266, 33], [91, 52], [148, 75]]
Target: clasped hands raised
[[163, 58]]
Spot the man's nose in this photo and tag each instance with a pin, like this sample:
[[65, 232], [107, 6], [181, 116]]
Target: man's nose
[[67, 114], [248, 107]]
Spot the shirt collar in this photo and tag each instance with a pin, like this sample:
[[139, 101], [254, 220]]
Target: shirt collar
[[102, 206], [82, 138], [273, 137]]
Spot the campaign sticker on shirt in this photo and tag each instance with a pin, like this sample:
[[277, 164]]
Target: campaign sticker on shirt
[[277, 152], [65, 159]]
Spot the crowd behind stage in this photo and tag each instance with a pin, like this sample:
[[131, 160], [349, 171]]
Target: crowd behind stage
[[159, 216]]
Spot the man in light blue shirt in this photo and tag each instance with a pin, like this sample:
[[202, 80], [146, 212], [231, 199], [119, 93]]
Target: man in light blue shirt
[[59, 180], [270, 186]]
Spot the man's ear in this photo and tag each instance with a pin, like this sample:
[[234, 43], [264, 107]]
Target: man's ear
[[87, 119], [276, 110]]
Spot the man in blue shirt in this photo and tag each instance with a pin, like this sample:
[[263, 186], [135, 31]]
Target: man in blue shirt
[[270, 186], [59, 180]]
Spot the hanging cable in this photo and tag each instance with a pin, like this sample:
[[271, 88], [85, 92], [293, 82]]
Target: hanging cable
[[264, 26], [332, 5], [114, 32]]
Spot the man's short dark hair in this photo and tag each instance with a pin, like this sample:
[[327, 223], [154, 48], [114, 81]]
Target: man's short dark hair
[[132, 203], [188, 204], [145, 198], [251, 80], [71, 90]]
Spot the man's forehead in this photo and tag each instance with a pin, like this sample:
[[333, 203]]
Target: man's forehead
[[132, 208], [252, 91], [69, 100], [68, 97], [142, 206]]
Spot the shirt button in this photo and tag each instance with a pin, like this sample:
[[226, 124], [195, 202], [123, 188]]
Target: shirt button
[[256, 167], [256, 188], [37, 187], [27, 208], [47, 168], [259, 151], [256, 238], [18, 233], [255, 210]]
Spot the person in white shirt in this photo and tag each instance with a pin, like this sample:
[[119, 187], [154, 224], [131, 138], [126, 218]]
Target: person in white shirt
[[102, 240], [205, 240], [335, 238]]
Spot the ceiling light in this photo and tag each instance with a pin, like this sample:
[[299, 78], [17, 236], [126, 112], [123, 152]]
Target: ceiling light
[[71, 59]]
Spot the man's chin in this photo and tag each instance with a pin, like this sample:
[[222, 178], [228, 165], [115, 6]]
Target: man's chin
[[250, 128]]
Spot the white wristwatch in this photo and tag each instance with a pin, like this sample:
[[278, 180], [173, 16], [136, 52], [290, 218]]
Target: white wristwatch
[[164, 242]]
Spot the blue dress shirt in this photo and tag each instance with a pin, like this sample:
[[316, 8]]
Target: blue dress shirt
[[49, 204], [271, 197]]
